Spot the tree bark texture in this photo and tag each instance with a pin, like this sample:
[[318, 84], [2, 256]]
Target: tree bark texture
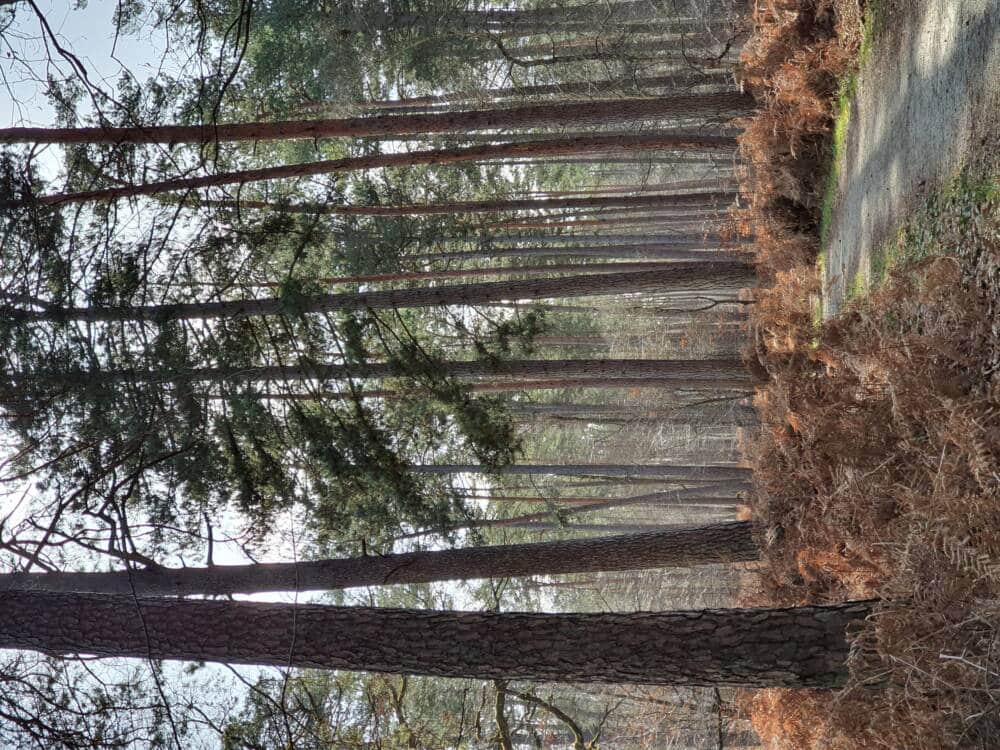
[[697, 545], [692, 276], [715, 199], [798, 648], [527, 116]]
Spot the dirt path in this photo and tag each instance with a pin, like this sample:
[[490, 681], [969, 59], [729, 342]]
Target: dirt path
[[928, 99]]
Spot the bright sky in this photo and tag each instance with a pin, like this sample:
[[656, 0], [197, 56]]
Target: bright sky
[[88, 33]]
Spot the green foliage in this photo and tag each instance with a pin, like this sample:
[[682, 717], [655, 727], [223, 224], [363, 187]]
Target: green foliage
[[950, 221]]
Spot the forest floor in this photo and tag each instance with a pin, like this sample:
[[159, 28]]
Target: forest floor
[[925, 104], [877, 465]]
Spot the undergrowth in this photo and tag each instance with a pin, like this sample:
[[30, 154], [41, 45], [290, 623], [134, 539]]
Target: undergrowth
[[876, 466]]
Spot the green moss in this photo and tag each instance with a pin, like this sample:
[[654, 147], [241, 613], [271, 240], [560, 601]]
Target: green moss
[[841, 121], [872, 24], [948, 221], [859, 286], [817, 312]]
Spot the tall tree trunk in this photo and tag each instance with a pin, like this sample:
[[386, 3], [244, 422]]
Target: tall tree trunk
[[632, 52], [799, 647], [645, 188], [484, 386], [527, 116], [694, 372], [662, 471], [697, 276], [698, 545], [513, 270], [682, 250], [723, 414], [717, 199], [643, 85], [690, 497], [542, 148]]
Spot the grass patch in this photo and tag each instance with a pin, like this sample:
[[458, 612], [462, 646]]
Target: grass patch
[[872, 24], [841, 122], [942, 226], [858, 287]]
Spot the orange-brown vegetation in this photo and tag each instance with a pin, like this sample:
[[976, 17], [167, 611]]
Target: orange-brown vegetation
[[877, 466], [792, 64], [878, 474]]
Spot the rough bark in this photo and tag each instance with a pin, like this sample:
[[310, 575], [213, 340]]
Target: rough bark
[[717, 199], [799, 647], [699, 545], [527, 116], [694, 276]]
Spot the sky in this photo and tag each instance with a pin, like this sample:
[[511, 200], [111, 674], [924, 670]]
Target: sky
[[89, 33], [28, 55]]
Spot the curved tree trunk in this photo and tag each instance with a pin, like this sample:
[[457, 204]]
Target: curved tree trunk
[[799, 647]]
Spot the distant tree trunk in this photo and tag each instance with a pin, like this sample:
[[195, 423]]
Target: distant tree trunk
[[687, 222], [799, 647], [644, 188], [668, 251], [662, 471], [641, 84], [458, 273], [633, 51], [697, 545], [594, 372], [699, 497], [527, 116], [691, 497], [724, 414], [697, 276], [716, 199], [535, 149], [666, 383]]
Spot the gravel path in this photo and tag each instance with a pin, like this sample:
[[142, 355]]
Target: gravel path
[[927, 101]]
